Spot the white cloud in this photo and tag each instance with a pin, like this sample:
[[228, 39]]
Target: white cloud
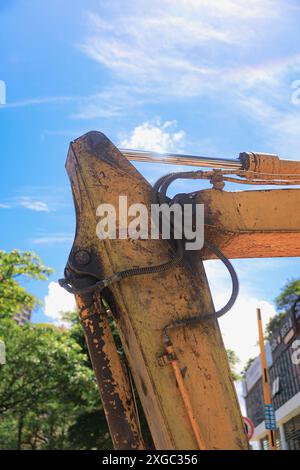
[[279, 119], [198, 49], [186, 46], [201, 49], [156, 136], [33, 205], [38, 198], [53, 239], [189, 48], [57, 301], [239, 326], [108, 103], [40, 101]]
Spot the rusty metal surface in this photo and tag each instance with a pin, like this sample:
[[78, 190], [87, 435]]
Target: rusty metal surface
[[111, 376], [252, 224], [269, 164], [143, 305]]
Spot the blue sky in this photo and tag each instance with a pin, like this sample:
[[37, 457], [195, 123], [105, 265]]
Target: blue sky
[[197, 76]]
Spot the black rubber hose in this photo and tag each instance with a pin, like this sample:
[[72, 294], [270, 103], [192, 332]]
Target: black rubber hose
[[196, 320], [160, 194]]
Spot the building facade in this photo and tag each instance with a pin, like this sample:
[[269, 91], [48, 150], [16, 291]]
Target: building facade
[[283, 360]]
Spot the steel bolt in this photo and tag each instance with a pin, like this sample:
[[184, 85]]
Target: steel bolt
[[82, 257]]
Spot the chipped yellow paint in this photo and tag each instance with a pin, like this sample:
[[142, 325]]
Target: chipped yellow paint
[[143, 305], [252, 224]]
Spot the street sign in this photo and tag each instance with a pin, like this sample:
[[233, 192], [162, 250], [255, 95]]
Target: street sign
[[270, 419], [249, 427]]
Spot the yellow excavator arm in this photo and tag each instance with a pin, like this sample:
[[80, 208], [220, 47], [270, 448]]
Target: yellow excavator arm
[[165, 317]]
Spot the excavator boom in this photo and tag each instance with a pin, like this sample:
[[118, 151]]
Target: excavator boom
[[181, 374]]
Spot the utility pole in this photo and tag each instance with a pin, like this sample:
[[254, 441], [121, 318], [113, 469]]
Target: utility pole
[[270, 421]]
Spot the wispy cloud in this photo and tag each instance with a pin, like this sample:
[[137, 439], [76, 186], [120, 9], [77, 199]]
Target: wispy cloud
[[53, 239], [27, 203], [111, 102], [278, 119], [33, 205], [101, 105], [38, 198], [40, 101], [171, 46], [233, 50], [107, 103], [170, 50]]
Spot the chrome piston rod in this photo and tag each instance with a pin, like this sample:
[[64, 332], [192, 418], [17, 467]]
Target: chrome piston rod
[[181, 159]]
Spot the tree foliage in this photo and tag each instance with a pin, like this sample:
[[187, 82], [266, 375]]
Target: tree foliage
[[233, 361], [284, 302], [48, 393], [45, 388], [288, 296], [247, 365], [13, 267], [273, 324]]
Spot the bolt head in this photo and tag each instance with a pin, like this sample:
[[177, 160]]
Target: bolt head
[[82, 257]]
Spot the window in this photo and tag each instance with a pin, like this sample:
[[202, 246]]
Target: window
[[292, 433]]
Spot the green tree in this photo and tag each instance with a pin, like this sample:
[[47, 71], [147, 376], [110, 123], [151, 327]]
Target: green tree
[[247, 366], [233, 361], [45, 389], [90, 431], [273, 324], [13, 267], [284, 302], [288, 296], [48, 393]]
